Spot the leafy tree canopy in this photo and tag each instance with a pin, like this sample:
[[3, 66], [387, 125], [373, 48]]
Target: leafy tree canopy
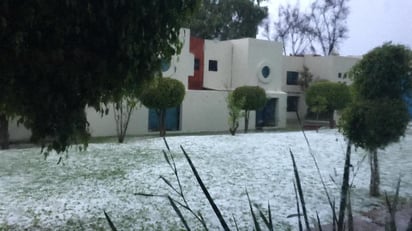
[[57, 56], [331, 96], [163, 93], [375, 124], [250, 97], [229, 19], [386, 71]]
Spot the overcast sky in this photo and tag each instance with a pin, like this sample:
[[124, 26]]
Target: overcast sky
[[370, 23]]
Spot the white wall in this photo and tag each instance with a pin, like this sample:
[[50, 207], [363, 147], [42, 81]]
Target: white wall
[[265, 53], [222, 52], [205, 111], [106, 126], [18, 132], [182, 66]]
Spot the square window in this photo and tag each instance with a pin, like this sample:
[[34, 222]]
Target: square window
[[292, 78], [212, 65], [292, 103], [197, 64]]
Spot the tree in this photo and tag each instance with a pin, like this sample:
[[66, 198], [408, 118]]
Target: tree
[[80, 53], [122, 110], [235, 112], [123, 107], [161, 94], [328, 19], [249, 98], [305, 79], [292, 29], [325, 96], [229, 19], [324, 27], [379, 115]]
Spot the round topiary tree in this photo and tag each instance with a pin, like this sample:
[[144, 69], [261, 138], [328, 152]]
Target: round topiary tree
[[378, 116], [325, 96], [249, 98], [161, 94]]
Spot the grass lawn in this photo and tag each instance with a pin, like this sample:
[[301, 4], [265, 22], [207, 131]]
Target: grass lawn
[[38, 194]]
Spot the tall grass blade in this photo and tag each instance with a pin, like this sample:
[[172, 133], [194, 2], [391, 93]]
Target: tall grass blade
[[167, 145], [169, 184], [112, 227], [202, 221], [270, 217], [267, 220], [297, 206], [149, 195], [178, 213], [206, 192], [334, 220], [300, 191], [318, 220], [316, 165], [255, 222], [166, 158], [236, 226]]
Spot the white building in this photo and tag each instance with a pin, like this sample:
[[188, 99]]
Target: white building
[[209, 70]]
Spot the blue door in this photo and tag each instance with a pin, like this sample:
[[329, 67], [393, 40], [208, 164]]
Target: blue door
[[266, 117], [172, 121]]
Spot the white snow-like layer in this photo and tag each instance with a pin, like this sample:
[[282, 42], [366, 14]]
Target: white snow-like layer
[[38, 194]]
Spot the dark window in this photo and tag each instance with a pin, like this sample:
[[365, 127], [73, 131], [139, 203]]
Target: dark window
[[339, 75], [265, 72], [197, 64], [345, 76], [292, 103], [212, 65], [165, 65], [292, 78]]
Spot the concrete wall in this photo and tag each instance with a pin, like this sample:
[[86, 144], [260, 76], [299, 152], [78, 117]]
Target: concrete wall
[[181, 66], [205, 111], [222, 53]]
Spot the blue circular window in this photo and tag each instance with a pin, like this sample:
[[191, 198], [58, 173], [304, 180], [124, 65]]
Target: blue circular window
[[165, 64], [265, 72]]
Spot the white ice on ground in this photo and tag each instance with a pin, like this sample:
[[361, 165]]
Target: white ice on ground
[[38, 194]]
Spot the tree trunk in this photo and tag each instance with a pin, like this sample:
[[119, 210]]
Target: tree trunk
[[4, 132], [246, 120], [120, 138], [162, 118], [344, 193], [331, 119], [234, 128], [375, 178], [350, 214]]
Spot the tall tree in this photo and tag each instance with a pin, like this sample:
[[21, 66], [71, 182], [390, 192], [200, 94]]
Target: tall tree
[[327, 96], [249, 98], [229, 19], [379, 116], [292, 29], [78, 53], [324, 27], [161, 94], [328, 19]]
